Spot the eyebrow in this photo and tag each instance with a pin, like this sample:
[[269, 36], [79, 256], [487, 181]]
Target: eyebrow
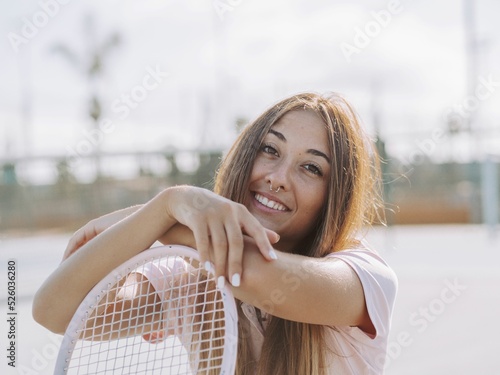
[[312, 151]]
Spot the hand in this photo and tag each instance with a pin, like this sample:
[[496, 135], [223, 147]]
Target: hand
[[218, 225], [94, 228]]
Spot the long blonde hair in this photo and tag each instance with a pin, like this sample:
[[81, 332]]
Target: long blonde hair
[[353, 200]]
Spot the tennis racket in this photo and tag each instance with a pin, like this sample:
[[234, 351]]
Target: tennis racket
[[158, 313]]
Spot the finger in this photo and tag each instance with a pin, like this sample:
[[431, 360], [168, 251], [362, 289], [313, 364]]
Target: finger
[[235, 253], [76, 241], [202, 241], [272, 236], [219, 245], [81, 237], [255, 230]]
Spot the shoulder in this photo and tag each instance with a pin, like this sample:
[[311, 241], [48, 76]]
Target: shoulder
[[368, 263], [379, 283]]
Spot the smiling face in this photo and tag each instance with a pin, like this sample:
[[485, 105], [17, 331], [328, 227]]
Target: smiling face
[[313, 214], [294, 157]]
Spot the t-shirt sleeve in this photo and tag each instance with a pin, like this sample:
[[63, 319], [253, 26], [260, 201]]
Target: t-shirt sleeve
[[161, 274], [379, 285], [169, 277]]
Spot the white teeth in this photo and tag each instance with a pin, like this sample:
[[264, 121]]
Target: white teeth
[[269, 203]]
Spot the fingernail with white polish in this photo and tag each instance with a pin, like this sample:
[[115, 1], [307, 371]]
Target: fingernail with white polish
[[272, 254], [235, 280], [208, 266], [221, 281]]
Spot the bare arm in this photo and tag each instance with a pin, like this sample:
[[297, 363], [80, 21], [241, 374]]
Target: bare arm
[[299, 288], [295, 287], [58, 298], [304, 289], [94, 227], [215, 223]]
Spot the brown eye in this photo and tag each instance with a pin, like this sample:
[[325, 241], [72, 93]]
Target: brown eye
[[268, 149], [314, 169]]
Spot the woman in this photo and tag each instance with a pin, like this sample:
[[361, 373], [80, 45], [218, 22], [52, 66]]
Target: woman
[[301, 180]]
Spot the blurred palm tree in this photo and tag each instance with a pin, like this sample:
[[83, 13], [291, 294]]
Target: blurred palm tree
[[90, 64]]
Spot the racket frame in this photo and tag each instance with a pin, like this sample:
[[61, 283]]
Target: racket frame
[[88, 304]]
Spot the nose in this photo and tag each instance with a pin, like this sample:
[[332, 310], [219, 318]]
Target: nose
[[279, 177]]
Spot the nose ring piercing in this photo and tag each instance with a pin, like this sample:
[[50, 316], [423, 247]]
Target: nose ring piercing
[[271, 188]]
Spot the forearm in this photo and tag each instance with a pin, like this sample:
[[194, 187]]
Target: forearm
[[58, 298], [178, 234], [303, 289]]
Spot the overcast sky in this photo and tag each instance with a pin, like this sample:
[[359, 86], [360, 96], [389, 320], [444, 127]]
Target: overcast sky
[[190, 68]]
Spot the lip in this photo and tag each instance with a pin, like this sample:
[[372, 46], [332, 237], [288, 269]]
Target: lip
[[270, 197]]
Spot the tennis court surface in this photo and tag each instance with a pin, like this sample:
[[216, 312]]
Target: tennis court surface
[[445, 319]]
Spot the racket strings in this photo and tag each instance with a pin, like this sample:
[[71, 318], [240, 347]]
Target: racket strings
[[209, 327], [133, 328]]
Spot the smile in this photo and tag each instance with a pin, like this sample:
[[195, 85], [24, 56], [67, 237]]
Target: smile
[[269, 203]]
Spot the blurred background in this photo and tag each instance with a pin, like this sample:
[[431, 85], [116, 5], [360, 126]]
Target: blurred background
[[105, 103]]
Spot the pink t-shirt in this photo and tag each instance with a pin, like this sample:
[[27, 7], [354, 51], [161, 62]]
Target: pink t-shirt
[[358, 352], [352, 350]]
